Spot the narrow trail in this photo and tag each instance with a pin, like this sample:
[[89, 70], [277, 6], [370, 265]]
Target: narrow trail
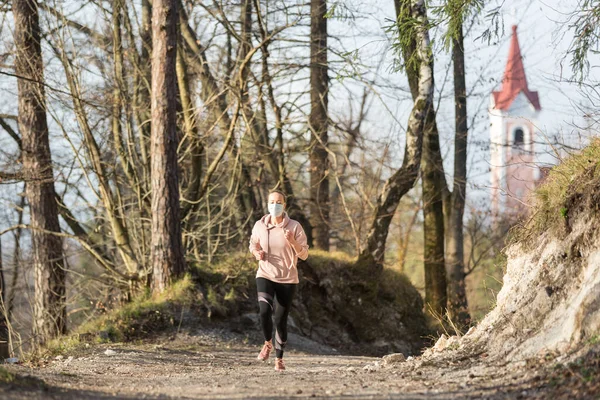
[[205, 366]]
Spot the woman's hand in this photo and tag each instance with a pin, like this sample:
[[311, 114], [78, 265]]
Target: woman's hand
[[289, 236], [291, 239], [259, 254]]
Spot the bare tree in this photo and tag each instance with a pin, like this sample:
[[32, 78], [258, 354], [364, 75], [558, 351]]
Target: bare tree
[[238, 132], [16, 258], [272, 151], [143, 74], [167, 256], [415, 13], [433, 191], [49, 307], [433, 219], [319, 122], [3, 311], [214, 98], [458, 309]]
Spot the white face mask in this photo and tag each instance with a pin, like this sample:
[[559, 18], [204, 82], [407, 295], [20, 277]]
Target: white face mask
[[275, 209]]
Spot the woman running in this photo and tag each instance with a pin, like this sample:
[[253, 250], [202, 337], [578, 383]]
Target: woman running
[[276, 242]]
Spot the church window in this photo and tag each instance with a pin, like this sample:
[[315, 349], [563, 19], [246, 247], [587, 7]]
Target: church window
[[519, 137]]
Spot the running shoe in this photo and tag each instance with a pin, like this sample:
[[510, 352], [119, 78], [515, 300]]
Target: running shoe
[[265, 352], [279, 365]]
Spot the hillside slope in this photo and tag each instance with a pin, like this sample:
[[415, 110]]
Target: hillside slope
[[550, 299]]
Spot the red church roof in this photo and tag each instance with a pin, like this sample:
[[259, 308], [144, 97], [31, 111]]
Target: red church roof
[[514, 81]]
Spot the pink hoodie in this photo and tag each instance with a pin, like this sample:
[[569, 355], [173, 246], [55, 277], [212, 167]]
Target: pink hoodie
[[281, 258]]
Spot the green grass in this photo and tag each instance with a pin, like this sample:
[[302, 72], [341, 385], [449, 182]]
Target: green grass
[[320, 259], [571, 177], [219, 289], [229, 280], [145, 314], [121, 323], [580, 375], [62, 344], [5, 376], [593, 340], [9, 378]]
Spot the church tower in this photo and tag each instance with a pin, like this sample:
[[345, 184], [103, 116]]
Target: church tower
[[513, 113]]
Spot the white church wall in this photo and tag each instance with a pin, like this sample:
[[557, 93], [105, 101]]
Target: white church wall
[[521, 107], [513, 169], [497, 155]]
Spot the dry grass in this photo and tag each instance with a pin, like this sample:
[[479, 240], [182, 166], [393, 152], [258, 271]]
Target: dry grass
[[144, 315], [225, 288], [571, 177]]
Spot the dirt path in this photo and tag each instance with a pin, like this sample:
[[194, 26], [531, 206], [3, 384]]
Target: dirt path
[[206, 366]]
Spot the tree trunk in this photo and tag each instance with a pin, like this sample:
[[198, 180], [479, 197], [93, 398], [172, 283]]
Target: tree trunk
[[405, 239], [3, 310], [192, 137], [404, 178], [433, 221], [167, 257], [144, 83], [457, 298], [434, 189], [49, 303], [16, 258], [120, 100], [318, 121]]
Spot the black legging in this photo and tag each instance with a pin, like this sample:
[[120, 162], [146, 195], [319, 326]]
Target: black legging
[[283, 294]]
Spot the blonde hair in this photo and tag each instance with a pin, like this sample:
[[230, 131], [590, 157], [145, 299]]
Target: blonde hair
[[279, 192]]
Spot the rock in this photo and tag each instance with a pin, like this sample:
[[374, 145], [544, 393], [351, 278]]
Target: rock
[[58, 357], [441, 343], [410, 358], [452, 342], [373, 367], [11, 360], [351, 369], [393, 359], [250, 320], [292, 323], [380, 343], [110, 352]]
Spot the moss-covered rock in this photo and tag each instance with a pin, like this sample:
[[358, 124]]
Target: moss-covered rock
[[339, 299], [338, 302]]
